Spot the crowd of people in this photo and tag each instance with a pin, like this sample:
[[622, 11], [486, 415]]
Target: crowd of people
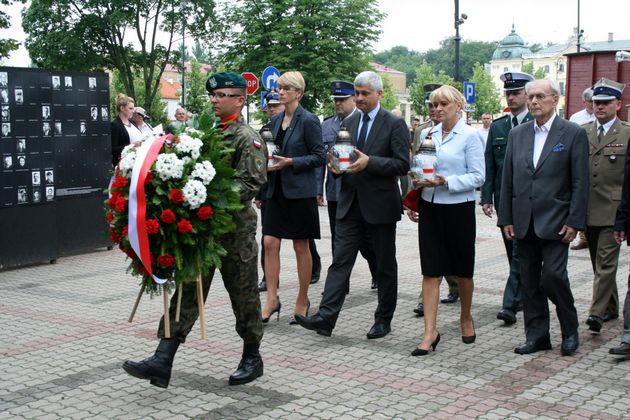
[[546, 178]]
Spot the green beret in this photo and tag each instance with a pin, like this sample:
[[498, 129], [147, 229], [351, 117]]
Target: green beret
[[225, 80]]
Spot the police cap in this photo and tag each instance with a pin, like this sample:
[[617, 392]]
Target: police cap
[[515, 80]]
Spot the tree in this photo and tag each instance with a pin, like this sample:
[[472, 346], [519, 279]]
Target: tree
[[324, 40], [402, 59], [9, 44], [196, 93], [389, 100], [121, 35], [201, 53], [488, 97], [156, 109], [529, 68], [424, 75], [443, 58]]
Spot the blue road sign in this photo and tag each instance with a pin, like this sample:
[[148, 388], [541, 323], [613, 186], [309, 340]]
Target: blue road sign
[[470, 92], [270, 78]]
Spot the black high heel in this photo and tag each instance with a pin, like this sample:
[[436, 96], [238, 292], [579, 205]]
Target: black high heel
[[422, 352], [469, 339], [292, 321], [277, 310]]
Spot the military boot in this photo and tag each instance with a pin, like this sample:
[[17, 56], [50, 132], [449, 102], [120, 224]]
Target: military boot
[[250, 367], [156, 368]]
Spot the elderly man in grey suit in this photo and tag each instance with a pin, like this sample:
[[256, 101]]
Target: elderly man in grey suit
[[370, 201], [545, 191]]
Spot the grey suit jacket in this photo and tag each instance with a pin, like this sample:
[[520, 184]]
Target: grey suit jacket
[[555, 192], [303, 143], [376, 187]]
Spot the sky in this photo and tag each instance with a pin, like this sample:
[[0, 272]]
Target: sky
[[420, 25]]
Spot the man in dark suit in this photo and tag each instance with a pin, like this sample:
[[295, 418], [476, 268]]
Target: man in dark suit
[[516, 98], [545, 190], [369, 200]]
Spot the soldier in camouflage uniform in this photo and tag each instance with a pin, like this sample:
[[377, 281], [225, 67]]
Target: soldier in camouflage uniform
[[238, 269]]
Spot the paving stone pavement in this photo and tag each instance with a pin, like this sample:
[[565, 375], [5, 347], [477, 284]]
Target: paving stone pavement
[[66, 335]]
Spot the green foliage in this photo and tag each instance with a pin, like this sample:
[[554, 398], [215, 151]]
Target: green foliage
[[201, 53], [9, 44], [196, 93], [156, 109], [425, 74], [488, 97], [324, 40], [402, 59], [529, 68], [389, 101]]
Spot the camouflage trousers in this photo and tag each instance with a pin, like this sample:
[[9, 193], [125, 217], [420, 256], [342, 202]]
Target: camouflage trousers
[[240, 277]]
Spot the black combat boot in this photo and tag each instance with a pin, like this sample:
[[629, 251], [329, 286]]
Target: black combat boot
[[251, 366], [156, 368]]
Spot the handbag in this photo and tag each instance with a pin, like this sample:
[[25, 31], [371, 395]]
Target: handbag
[[412, 200]]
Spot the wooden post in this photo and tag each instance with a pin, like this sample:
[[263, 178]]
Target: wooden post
[[179, 302], [200, 305], [135, 306], [167, 318]]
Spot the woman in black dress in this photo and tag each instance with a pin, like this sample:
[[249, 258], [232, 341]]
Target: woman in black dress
[[291, 196]]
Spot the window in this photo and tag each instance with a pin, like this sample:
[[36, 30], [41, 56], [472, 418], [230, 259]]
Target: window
[[547, 69], [561, 84], [561, 68], [505, 69]]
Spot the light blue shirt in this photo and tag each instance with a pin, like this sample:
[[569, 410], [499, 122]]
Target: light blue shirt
[[372, 115], [461, 161]]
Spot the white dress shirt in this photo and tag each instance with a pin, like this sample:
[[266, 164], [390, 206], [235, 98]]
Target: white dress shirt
[[606, 125], [372, 115], [540, 137]]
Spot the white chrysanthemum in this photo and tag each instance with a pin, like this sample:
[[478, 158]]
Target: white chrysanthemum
[[130, 148], [194, 193], [204, 171], [188, 145], [169, 166], [126, 164], [193, 131]]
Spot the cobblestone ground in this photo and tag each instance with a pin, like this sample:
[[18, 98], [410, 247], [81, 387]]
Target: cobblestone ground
[[65, 336]]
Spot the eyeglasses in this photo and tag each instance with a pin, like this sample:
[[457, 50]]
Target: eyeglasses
[[285, 88], [539, 96], [221, 95]]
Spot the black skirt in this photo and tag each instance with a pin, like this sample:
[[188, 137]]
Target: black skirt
[[290, 219], [446, 234]]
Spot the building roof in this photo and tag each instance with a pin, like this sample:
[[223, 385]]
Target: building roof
[[622, 44], [205, 68], [511, 47], [384, 69], [169, 89]]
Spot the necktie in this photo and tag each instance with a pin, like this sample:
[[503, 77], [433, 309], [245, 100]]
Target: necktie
[[514, 121], [363, 133], [600, 136]]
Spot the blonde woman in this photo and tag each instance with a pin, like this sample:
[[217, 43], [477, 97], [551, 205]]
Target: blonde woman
[[122, 130]]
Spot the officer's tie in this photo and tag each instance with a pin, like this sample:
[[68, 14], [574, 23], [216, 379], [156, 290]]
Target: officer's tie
[[514, 121], [600, 136], [363, 133]]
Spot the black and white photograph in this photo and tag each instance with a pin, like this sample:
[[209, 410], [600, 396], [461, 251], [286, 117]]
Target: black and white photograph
[[92, 83], [36, 178], [19, 96], [6, 129], [37, 196], [7, 162], [4, 96], [56, 82], [67, 81], [50, 193], [21, 161], [105, 113], [58, 131], [46, 129], [6, 113], [82, 128], [45, 112], [4, 79], [21, 196], [94, 113], [21, 146], [50, 177]]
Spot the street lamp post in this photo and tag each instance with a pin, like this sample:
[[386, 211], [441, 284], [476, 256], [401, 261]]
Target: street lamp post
[[183, 9], [458, 21], [579, 31]]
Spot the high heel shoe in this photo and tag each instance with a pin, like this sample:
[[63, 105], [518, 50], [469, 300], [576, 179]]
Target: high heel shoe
[[292, 321], [469, 339], [422, 352], [277, 310]]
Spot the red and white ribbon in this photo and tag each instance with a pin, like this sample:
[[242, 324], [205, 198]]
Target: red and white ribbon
[[138, 237]]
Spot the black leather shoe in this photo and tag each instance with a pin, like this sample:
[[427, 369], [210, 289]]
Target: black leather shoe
[[507, 316], [314, 323], [622, 350], [262, 286], [379, 330], [157, 368], [609, 317], [374, 285], [533, 346], [594, 323], [419, 309], [317, 269], [250, 367], [570, 344], [451, 298]]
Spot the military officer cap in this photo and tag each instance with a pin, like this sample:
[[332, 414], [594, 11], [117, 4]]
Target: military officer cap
[[341, 89], [606, 90], [515, 80], [225, 80], [428, 89], [272, 97]]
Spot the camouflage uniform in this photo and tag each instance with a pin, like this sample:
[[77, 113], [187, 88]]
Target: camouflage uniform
[[238, 269]]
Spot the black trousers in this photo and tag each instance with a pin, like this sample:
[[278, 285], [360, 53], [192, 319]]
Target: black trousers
[[349, 235], [544, 275]]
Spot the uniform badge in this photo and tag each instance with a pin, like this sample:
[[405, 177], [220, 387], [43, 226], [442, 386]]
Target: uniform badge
[[257, 144], [259, 164], [213, 83]]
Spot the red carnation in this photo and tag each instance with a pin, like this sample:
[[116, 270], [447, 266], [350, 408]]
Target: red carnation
[[120, 182], [176, 196], [184, 226], [111, 202], [121, 203], [143, 270], [109, 216], [167, 216], [204, 212], [165, 260], [153, 226], [115, 237], [125, 231], [148, 178]]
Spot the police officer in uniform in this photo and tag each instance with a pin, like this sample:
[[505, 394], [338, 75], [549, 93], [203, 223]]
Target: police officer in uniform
[[608, 139], [238, 268], [514, 88]]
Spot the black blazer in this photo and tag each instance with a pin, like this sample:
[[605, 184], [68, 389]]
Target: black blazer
[[302, 142], [119, 137], [376, 187]]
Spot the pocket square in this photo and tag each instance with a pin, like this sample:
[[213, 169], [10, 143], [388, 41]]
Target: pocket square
[[558, 147]]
